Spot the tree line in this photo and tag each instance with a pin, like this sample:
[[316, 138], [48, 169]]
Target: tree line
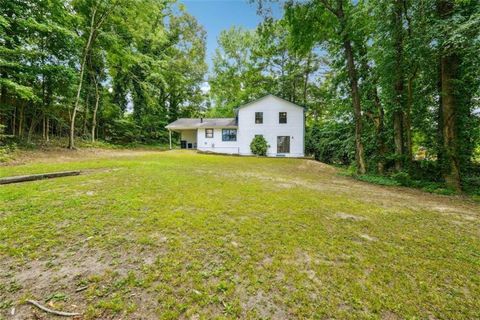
[[384, 81], [392, 87], [74, 68]]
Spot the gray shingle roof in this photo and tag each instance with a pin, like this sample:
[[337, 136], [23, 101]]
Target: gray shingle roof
[[195, 123]]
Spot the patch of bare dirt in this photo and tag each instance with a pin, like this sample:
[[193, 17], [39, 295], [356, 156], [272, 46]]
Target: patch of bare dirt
[[324, 178], [57, 155], [262, 304], [65, 272], [367, 237], [316, 166], [346, 216]]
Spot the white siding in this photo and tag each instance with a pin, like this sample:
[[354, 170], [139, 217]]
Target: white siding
[[271, 128], [216, 144]]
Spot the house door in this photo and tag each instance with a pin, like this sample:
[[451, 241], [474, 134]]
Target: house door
[[283, 144]]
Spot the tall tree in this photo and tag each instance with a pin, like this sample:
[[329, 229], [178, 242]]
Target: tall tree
[[398, 83], [456, 21], [96, 12], [336, 17]]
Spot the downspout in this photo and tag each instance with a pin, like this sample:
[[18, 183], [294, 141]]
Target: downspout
[[170, 138], [304, 120]]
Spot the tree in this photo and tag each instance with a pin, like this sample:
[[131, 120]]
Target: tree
[[96, 12], [336, 17], [236, 77], [59, 58], [455, 24]]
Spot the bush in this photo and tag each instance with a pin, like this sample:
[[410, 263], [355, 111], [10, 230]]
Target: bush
[[427, 170], [471, 184], [403, 179], [6, 147], [122, 131], [330, 143], [435, 187], [381, 180], [259, 146]]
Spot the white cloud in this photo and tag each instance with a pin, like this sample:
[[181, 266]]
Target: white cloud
[[205, 87]]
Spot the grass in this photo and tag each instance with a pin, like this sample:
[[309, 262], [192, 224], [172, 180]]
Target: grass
[[182, 235], [427, 186]]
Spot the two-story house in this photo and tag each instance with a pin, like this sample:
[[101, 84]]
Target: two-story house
[[279, 121]]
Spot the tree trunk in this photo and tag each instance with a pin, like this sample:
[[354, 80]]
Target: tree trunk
[[94, 116], [33, 124], [398, 138], [43, 127], [451, 172], [14, 120], [85, 113], [408, 121], [379, 133], [20, 120], [410, 88], [47, 129], [379, 118], [307, 75], [71, 142], [398, 125], [357, 109], [449, 64]]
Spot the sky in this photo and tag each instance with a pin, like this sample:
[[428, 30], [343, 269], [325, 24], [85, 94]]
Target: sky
[[218, 15]]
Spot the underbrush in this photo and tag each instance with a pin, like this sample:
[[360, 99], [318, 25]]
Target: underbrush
[[423, 176], [7, 147], [62, 142], [7, 152], [404, 181]]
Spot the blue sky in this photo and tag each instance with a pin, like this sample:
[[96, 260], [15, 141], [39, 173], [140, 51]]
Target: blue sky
[[218, 15]]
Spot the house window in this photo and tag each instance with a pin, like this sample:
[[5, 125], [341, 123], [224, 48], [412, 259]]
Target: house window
[[229, 134], [258, 117], [208, 133], [282, 117]]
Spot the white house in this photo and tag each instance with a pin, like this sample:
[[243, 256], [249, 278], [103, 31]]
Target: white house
[[279, 121]]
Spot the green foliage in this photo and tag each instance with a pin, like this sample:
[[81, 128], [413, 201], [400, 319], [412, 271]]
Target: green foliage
[[123, 130], [6, 147], [259, 145], [58, 296], [403, 178], [156, 75], [249, 64], [330, 142], [394, 45], [381, 180]]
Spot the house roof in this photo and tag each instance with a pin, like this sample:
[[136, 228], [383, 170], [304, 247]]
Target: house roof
[[195, 123], [267, 96]]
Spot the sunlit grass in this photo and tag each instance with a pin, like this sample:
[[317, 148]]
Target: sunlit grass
[[181, 235]]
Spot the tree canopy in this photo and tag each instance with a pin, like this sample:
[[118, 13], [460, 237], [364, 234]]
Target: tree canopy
[[391, 87]]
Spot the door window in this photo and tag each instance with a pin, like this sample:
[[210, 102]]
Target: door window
[[283, 144]]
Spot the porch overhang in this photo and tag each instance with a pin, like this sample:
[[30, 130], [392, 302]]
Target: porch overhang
[[196, 123]]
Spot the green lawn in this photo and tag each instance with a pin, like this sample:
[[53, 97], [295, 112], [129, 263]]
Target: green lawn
[[180, 235]]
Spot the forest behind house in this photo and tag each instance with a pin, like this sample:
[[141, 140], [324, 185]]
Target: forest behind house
[[391, 87]]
